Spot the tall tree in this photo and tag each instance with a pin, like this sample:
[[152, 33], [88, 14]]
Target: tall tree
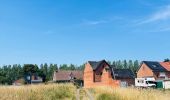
[[136, 66], [125, 66], [71, 67], [119, 64], [167, 60]]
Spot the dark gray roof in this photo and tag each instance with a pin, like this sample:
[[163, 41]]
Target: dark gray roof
[[155, 66], [123, 73], [96, 64]]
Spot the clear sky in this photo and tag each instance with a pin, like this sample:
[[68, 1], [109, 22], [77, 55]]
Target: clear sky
[[75, 31]]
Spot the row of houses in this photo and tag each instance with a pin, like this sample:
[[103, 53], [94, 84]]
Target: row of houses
[[97, 73], [100, 73]]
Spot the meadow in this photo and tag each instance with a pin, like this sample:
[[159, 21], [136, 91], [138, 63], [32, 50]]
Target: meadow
[[107, 93], [70, 92], [38, 92]]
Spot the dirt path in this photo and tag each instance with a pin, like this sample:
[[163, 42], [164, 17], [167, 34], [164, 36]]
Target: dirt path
[[78, 94], [89, 95]]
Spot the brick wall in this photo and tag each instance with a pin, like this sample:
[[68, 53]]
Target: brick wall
[[144, 71], [106, 78], [88, 76]]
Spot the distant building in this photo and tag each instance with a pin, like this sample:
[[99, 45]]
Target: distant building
[[33, 78], [158, 70], [68, 76], [100, 73]]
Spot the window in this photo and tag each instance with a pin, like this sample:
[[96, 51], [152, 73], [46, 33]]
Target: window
[[97, 77], [162, 74], [154, 65], [140, 81]]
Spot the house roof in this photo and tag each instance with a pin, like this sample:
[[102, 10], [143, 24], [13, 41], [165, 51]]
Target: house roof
[[96, 64], [166, 65], [123, 73], [65, 75], [155, 66]]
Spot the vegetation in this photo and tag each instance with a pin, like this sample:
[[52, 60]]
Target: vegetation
[[69, 92], [38, 92], [10, 73], [105, 93]]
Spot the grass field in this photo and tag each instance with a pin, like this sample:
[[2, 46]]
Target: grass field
[[107, 93], [69, 92], [38, 92]]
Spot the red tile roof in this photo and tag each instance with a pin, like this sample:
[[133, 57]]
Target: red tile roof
[[65, 75], [166, 65]]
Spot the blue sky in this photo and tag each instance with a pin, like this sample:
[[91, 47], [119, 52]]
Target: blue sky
[[75, 31]]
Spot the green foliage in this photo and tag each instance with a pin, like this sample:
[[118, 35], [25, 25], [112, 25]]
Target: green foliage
[[166, 60], [30, 68]]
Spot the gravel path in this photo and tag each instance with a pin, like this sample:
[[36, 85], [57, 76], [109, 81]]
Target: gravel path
[[89, 95], [78, 94]]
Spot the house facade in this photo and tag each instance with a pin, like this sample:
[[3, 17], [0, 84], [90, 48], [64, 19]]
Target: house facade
[[102, 74], [158, 70]]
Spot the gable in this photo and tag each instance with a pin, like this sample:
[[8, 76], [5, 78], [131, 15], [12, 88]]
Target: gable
[[144, 71], [96, 64], [88, 68], [101, 68]]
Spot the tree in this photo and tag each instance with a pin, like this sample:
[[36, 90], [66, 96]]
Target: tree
[[55, 66], [52, 68], [30, 68], [119, 64], [71, 67], [136, 66], [130, 64], [125, 66], [109, 62], [167, 60], [81, 67], [64, 67]]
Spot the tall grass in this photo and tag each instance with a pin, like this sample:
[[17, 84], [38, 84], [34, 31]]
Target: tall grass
[[106, 93], [68, 92], [38, 92]]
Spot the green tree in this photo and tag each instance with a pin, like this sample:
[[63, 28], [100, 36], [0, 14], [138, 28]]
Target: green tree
[[71, 67], [125, 66], [136, 66], [167, 60], [119, 64], [63, 67]]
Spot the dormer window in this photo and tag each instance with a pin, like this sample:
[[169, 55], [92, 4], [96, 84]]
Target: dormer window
[[154, 65]]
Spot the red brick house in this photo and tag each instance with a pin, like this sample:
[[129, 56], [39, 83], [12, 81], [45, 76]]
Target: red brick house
[[102, 74], [158, 70]]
